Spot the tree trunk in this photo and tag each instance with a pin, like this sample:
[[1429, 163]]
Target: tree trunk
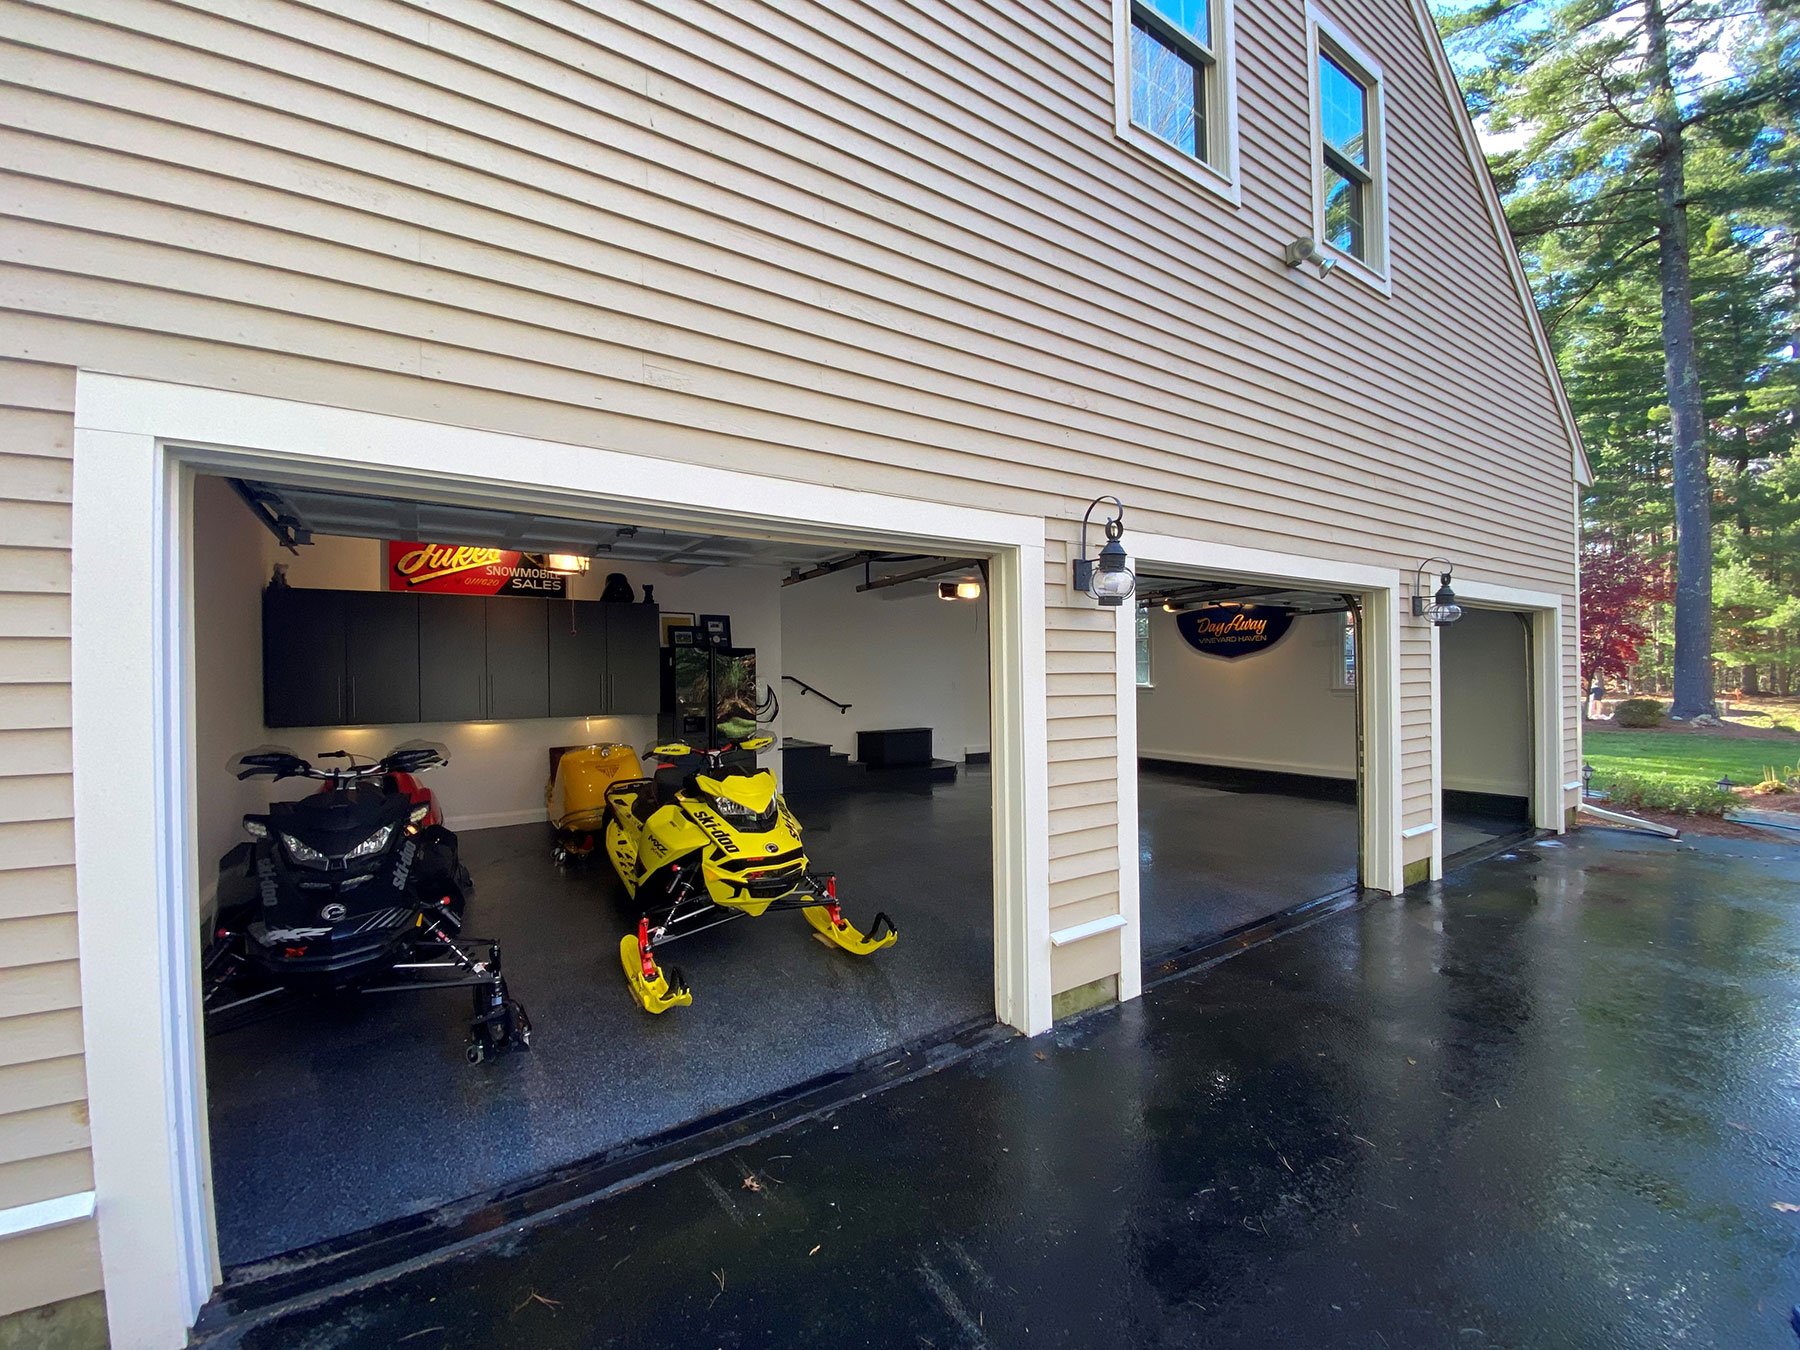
[[1751, 684], [1693, 488]]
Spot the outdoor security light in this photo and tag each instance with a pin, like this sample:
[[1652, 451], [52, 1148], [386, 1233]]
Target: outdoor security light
[[1442, 609], [1108, 578], [1306, 250]]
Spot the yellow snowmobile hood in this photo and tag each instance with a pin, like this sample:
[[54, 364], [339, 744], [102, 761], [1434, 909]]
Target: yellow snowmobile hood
[[753, 792]]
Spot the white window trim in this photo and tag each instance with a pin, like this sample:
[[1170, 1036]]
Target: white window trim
[[1149, 680], [1220, 179], [1323, 36], [1339, 685]]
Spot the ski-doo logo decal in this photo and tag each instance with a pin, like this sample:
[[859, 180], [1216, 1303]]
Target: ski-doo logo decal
[[714, 830], [333, 912], [403, 869], [265, 879]]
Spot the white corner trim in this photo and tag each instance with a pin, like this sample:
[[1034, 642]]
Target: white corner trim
[[1417, 830], [45, 1214], [1062, 937]]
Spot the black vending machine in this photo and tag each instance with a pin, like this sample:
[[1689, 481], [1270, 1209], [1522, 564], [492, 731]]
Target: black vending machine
[[709, 695]]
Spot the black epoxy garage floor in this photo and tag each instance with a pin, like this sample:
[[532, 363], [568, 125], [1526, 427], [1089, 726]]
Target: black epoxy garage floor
[[332, 1118], [1211, 859], [1550, 1103]]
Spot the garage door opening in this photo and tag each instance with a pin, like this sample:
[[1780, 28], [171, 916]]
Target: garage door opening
[[1248, 754], [1484, 682], [330, 621]]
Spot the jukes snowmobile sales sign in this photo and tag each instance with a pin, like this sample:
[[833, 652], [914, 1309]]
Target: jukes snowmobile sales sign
[[456, 569]]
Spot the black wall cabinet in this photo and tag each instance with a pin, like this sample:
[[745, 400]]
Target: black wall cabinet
[[332, 658], [453, 678]]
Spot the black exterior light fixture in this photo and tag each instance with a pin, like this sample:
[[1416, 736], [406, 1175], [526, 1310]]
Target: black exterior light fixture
[[1587, 779], [1108, 578], [1442, 609]]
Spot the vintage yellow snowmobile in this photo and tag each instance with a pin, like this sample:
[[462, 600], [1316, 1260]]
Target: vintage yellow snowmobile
[[706, 839], [575, 798]]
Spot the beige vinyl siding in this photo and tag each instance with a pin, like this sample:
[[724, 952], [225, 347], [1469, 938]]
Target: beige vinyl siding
[[1080, 653], [43, 1094], [894, 247]]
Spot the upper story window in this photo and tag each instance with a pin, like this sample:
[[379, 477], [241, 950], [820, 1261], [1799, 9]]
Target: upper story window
[[1349, 196], [1173, 91]]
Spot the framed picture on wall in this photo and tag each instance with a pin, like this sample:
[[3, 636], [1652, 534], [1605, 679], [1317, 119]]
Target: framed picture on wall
[[684, 636], [673, 619], [715, 630]]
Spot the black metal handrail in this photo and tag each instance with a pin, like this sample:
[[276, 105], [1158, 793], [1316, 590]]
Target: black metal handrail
[[806, 688]]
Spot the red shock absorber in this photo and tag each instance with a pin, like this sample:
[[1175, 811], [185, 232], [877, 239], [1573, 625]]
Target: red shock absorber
[[831, 900], [649, 961]]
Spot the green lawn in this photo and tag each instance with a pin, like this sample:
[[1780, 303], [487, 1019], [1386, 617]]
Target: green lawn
[[1682, 754]]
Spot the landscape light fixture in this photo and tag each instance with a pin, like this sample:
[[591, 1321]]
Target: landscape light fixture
[[959, 590], [1108, 578], [1725, 784], [1587, 780], [1442, 609]]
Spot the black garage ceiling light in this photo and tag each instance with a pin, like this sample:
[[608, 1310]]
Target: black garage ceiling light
[[1107, 578], [1443, 609]]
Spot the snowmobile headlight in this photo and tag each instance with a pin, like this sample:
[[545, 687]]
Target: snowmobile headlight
[[740, 815], [373, 844], [304, 854], [256, 827]]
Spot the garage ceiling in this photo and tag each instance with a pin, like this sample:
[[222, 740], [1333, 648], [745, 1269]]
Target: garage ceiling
[[296, 512], [1192, 592]]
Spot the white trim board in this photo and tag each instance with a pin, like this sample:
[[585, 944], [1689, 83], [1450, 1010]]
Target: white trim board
[[138, 445], [42, 1215]]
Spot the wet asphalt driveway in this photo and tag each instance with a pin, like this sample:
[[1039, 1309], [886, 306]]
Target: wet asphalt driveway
[[1553, 1102]]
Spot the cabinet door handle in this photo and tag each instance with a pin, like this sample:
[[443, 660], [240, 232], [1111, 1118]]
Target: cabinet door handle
[[353, 698], [480, 701], [490, 701]]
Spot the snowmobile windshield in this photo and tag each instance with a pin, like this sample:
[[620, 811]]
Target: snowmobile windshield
[[266, 761], [416, 757]]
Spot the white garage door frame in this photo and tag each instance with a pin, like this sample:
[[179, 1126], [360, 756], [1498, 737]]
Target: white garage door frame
[[1378, 680], [1543, 610], [138, 445]]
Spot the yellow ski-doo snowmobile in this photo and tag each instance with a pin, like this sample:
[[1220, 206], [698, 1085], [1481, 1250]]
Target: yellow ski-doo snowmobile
[[706, 839], [575, 798]]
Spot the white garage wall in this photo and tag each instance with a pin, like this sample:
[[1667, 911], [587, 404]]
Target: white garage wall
[[1486, 709], [1276, 710], [497, 769], [900, 657]]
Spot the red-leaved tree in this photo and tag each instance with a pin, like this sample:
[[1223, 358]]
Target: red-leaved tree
[[1618, 587]]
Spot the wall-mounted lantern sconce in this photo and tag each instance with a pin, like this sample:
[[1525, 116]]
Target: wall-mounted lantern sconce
[[1442, 609], [959, 590], [1107, 578]]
